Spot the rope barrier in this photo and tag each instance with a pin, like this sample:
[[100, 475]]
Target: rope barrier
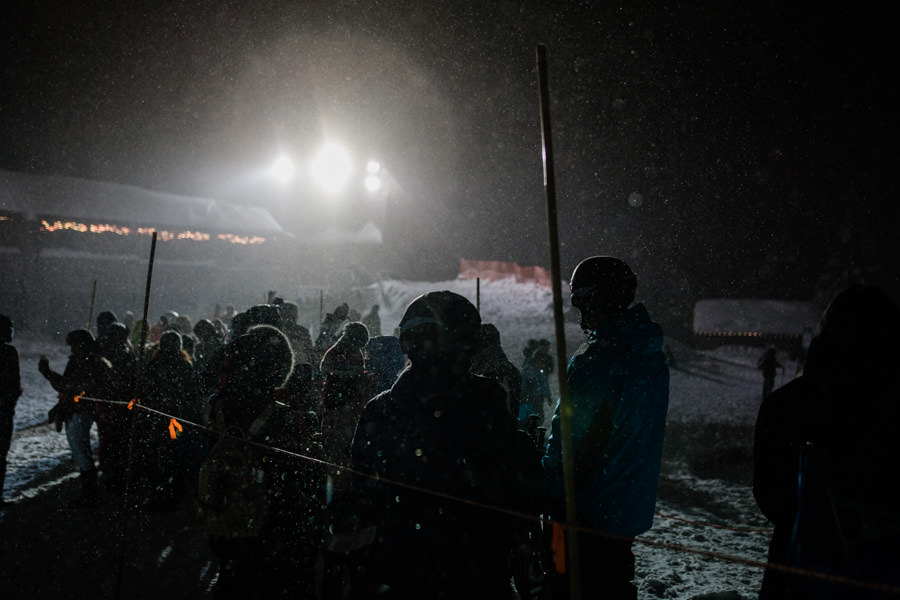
[[557, 526]]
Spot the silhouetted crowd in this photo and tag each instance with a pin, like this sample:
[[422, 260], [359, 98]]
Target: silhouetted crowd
[[259, 375], [415, 465]]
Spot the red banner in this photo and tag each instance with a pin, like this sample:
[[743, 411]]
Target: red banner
[[492, 270]]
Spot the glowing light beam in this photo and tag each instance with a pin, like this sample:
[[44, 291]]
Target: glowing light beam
[[283, 170], [372, 183], [331, 167]]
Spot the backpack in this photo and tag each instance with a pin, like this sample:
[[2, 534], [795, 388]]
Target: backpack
[[233, 488]]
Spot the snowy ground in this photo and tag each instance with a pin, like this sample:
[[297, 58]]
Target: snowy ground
[[708, 538]]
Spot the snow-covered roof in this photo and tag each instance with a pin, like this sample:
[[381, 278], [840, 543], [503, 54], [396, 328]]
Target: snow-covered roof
[[749, 316], [369, 233], [38, 196]]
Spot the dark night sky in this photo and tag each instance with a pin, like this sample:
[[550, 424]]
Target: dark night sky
[[754, 133]]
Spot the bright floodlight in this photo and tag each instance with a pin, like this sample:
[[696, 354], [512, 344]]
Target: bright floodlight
[[373, 167], [372, 183], [331, 168], [283, 169]]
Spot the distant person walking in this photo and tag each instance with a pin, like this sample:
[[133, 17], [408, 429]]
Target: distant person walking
[[10, 390], [769, 365], [372, 321]]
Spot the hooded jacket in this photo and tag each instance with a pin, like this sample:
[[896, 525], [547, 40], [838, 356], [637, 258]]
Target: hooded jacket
[[825, 453], [444, 437]]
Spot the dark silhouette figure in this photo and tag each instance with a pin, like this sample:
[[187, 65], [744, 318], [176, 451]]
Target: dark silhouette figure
[[825, 452], [536, 396], [171, 388], [443, 429], [769, 365], [10, 390], [113, 420], [208, 353], [345, 388], [104, 320], [372, 321], [331, 329], [491, 361], [278, 560], [86, 373], [301, 394], [619, 394], [297, 334]]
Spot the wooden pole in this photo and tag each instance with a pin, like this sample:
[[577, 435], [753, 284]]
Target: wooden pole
[[565, 409], [91, 311], [145, 327], [478, 293]]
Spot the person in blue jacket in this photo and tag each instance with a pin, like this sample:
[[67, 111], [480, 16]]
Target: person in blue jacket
[[619, 395]]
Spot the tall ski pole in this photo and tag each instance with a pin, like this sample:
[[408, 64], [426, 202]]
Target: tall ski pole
[[565, 409], [144, 325], [91, 311], [478, 293]]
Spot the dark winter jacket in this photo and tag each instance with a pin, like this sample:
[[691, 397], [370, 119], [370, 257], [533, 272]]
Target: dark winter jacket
[[450, 435], [301, 342], [278, 562], [10, 390], [493, 364], [330, 331], [824, 449], [208, 358], [172, 387], [10, 382], [124, 370], [619, 393], [86, 374]]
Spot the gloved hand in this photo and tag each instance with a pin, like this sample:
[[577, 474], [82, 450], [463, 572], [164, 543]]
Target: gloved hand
[[56, 415]]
